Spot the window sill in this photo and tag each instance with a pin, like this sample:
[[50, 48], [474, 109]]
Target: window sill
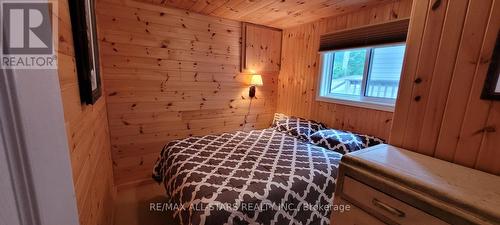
[[358, 101]]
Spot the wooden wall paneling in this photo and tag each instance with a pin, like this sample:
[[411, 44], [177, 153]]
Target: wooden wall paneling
[[146, 40], [171, 74], [413, 47], [437, 52], [261, 48], [457, 125], [442, 74], [427, 62], [465, 70], [487, 155], [88, 135], [300, 69]]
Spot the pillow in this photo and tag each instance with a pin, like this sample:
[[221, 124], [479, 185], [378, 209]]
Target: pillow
[[369, 141], [278, 117], [297, 127], [336, 140]]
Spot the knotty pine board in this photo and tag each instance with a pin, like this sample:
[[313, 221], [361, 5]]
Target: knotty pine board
[[88, 135], [170, 74], [261, 51], [297, 85], [274, 13], [443, 115]]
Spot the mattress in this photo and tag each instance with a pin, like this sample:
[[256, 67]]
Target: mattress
[[255, 177]]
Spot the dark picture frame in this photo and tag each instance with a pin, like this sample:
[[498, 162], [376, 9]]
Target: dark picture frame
[[491, 90], [86, 46]]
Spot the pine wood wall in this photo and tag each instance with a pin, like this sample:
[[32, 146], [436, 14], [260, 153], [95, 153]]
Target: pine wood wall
[[170, 74], [88, 136], [439, 111], [262, 48], [299, 72]]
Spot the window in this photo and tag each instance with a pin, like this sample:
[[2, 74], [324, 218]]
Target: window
[[366, 77]]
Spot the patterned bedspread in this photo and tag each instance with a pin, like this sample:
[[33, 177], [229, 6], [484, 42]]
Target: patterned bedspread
[[256, 177]]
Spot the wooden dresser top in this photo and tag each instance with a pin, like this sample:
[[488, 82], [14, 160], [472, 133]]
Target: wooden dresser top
[[466, 189]]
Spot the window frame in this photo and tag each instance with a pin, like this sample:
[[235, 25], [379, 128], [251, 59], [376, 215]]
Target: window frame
[[324, 83]]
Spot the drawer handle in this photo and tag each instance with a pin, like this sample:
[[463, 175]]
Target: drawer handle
[[388, 208]]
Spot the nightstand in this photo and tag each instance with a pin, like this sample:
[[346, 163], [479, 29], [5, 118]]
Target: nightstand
[[388, 185]]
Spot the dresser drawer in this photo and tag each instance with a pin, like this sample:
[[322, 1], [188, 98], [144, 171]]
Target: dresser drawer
[[384, 206], [354, 216]]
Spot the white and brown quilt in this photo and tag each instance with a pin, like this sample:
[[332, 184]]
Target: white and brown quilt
[[256, 177]]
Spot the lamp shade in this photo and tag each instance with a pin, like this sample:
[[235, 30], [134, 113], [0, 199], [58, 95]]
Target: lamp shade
[[256, 80]]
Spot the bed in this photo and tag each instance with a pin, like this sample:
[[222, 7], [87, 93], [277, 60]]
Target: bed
[[269, 176]]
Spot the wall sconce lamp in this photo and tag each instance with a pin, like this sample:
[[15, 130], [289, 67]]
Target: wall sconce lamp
[[256, 81]]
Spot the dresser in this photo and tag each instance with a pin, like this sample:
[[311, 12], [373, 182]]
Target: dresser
[[388, 185]]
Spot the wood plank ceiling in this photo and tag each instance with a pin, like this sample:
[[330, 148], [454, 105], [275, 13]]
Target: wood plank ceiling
[[273, 13]]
